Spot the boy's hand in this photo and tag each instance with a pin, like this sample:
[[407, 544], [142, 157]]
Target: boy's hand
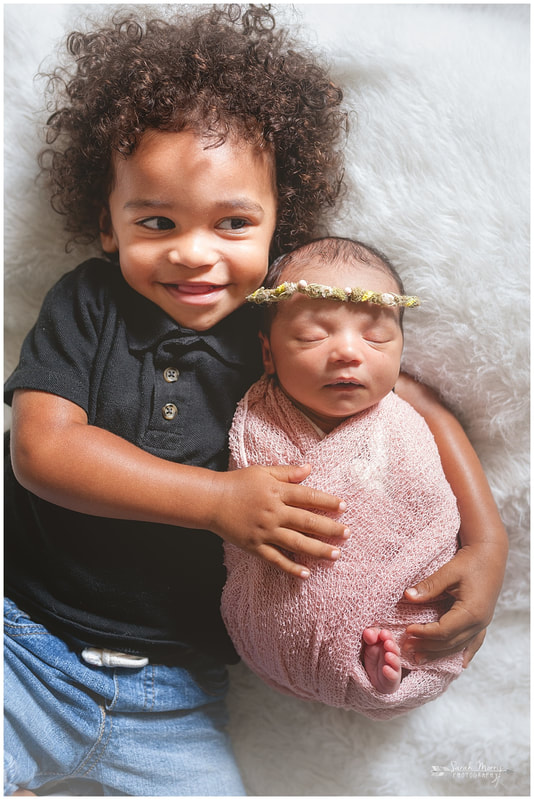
[[59, 457], [473, 577], [263, 510]]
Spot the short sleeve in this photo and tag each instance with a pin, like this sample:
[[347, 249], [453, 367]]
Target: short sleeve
[[58, 354]]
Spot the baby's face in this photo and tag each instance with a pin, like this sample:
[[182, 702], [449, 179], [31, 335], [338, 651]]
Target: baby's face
[[335, 359], [192, 226]]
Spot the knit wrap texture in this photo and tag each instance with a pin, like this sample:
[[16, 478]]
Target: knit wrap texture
[[304, 637]]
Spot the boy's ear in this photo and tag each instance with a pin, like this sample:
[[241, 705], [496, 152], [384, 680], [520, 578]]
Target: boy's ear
[[107, 237], [268, 363]]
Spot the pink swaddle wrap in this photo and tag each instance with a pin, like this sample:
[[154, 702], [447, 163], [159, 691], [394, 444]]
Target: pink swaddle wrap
[[305, 637]]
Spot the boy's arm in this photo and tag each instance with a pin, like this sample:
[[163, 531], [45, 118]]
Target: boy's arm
[[58, 456], [474, 576]]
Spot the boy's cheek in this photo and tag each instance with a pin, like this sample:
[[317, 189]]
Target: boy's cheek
[[138, 259]]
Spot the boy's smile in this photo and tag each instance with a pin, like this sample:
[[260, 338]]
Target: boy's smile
[[192, 223]]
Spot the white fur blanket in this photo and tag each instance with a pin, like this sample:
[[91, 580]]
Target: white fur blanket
[[437, 160]]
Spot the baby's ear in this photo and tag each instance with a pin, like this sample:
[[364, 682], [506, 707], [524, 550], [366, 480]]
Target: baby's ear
[[107, 236], [268, 363]]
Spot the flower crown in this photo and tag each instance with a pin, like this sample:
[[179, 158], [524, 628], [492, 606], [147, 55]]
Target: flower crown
[[319, 290]]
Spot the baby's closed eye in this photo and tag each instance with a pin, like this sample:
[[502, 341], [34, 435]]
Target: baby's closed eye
[[379, 334], [311, 335], [376, 338]]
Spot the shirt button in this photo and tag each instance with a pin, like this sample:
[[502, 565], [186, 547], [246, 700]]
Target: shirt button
[[169, 411], [171, 374]]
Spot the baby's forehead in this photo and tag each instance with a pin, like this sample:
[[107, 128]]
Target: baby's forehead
[[307, 309], [368, 275], [300, 309]]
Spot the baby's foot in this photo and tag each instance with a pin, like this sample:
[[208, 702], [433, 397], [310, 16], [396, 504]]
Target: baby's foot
[[381, 659]]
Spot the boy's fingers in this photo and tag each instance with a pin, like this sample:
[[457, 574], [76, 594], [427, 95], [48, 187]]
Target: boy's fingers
[[305, 545], [430, 587], [289, 473], [433, 648], [299, 545], [310, 524], [315, 498], [307, 497], [454, 627], [427, 652], [452, 633], [296, 543], [278, 559], [304, 496], [473, 646]]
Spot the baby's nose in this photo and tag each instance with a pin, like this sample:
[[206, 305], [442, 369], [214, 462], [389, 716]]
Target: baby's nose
[[347, 347]]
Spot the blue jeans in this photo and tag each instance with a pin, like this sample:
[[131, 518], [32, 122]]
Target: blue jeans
[[79, 729]]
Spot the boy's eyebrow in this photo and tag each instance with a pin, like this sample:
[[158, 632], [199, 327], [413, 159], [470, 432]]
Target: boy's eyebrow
[[241, 204], [237, 204], [141, 203]]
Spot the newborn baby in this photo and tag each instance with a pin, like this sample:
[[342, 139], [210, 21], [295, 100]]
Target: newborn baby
[[331, 358]]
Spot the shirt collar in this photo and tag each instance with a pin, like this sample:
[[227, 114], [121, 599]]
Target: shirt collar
[[234, 339]]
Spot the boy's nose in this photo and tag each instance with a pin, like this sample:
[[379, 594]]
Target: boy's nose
[[192, 251]]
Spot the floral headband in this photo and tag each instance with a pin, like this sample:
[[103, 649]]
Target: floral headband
[[319, 290]]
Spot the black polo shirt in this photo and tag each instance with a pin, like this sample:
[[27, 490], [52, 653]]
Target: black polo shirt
[[128, 585]]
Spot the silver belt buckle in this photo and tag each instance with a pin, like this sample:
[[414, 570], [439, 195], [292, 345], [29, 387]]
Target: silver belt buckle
[[100, 657]]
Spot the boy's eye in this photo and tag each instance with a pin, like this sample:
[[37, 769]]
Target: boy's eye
[[233, 224], [157, 223]]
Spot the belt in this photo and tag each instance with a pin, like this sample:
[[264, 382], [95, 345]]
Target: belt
[[100, 657]]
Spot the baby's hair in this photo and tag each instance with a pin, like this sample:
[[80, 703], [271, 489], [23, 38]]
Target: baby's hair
[[220, 71], [333, 250]]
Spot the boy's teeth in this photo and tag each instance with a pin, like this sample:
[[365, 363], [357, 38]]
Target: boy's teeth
[[192, 288]]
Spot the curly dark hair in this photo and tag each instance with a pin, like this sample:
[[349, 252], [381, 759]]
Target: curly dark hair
[[225, 68]]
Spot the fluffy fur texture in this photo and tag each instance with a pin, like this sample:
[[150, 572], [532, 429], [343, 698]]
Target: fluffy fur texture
[[437, 162]]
